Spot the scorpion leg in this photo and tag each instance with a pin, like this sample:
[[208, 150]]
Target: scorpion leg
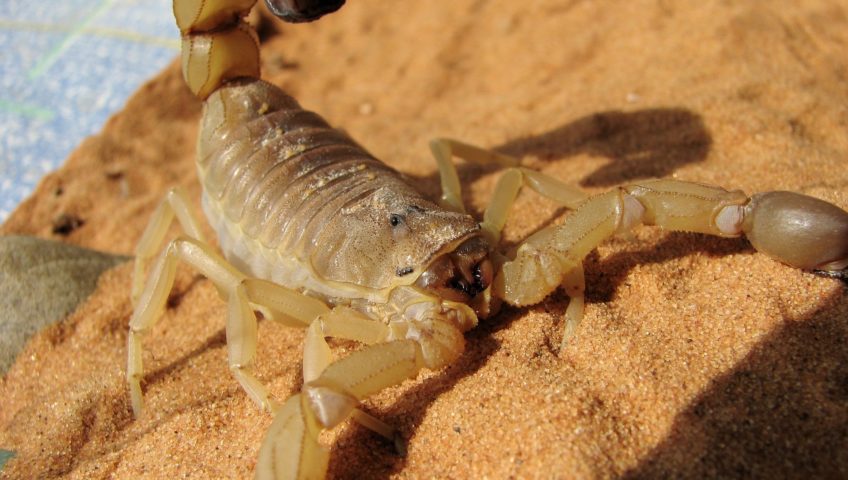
[[294, 309], [343, 322], [553, 256], [444, 149], [507, 188], [290, 448], [174, 203], [244, 295], [574, 284], [152, 299]]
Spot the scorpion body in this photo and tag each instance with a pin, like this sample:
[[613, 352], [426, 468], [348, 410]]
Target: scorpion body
[[320, 235], [293, 199]]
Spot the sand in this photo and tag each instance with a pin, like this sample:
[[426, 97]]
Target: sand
[[697, 356]]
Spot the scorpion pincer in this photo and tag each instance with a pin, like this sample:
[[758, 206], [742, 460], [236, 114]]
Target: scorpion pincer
[[320, 235]]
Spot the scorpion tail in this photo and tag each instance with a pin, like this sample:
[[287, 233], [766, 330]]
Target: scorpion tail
[[217, 44], [280, 457]]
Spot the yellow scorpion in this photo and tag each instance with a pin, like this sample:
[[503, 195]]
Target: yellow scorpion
[[318, 234]]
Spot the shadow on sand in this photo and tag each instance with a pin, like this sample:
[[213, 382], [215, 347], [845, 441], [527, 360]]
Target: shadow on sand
[[642, 144], [782, 412]]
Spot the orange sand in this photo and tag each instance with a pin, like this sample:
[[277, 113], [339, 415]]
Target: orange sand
[[697, 357]]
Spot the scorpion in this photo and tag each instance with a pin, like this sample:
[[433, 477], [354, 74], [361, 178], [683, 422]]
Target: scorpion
[[318, 234]]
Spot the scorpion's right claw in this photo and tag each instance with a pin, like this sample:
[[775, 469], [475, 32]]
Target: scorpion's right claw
[[290, 449], [798, 230]]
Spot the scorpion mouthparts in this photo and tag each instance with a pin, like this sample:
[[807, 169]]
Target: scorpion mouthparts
[[473, 279], [460, 275], [470, 280]]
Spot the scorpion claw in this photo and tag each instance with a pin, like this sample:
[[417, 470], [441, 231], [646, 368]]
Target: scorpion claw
[[290, 449], [798, 230]]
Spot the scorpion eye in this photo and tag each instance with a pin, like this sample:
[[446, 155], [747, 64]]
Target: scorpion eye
[[399, 228]]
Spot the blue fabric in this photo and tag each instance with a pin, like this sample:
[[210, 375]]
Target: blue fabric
[[65, 67]]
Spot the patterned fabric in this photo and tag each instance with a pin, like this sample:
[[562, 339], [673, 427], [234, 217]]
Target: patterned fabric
[[65, 67]]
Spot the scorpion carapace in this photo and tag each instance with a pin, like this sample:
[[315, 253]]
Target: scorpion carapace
[[320, 235]]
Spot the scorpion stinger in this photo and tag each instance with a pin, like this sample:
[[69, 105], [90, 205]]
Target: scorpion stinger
[[318, 234]]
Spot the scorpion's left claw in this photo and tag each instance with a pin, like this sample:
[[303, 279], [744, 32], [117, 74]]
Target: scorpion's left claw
[[290, 449], [798, 230]]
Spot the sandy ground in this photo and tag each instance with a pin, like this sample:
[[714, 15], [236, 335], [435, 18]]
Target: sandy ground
[[697, 357]]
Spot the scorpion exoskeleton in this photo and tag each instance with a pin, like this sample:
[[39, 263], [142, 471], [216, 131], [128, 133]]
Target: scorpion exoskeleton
[[320, 235]]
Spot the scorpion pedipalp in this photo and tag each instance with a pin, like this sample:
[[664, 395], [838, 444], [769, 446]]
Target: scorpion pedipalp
[[279, 457], [798, 230]]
